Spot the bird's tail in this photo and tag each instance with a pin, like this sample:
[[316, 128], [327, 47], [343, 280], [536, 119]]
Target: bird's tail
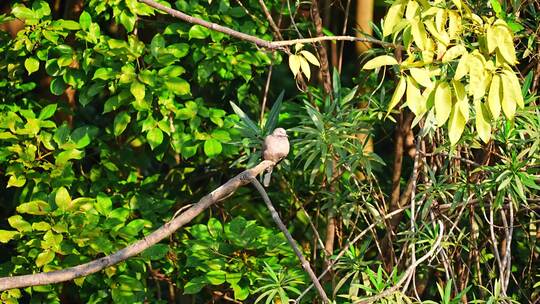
[[267, 175]]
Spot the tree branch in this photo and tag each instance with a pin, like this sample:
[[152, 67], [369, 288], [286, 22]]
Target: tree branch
[[270, 45], [292, 242], [161, 233]]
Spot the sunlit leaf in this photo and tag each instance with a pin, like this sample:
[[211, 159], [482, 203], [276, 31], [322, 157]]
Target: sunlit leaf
[[398, 93], [379, 61], [495, 97], [443, 103]]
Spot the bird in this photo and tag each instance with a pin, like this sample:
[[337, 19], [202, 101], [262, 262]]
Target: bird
[[275, 148]]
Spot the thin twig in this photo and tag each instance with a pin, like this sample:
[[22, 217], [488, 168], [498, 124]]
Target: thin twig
[[292, 242]]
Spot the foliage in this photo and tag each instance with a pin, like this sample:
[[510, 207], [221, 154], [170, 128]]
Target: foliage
[[116, 117]]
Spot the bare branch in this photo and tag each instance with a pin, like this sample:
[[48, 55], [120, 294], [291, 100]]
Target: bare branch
[[161, 233], [270, 45], [292, 242]]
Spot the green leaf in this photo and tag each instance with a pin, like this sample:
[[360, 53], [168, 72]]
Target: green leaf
[[58, 86], [31, 64], [121, 121], [37, 207], [104, 74], [23, 13], [16, 181], [45, 257], [156, 252], [178, 86], [7, 235], [154, 137], [221, 135], [137, 90], [215, 277], [249, 123], [195, 285], [63, 157], [240, 292], [62, 198], [198, 32], [47, 111], [85, 20], [212, 147], [273, 116], [103, 204], [17, 222]]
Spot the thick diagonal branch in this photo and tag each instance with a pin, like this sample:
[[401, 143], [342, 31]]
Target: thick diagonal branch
[[161, 233]]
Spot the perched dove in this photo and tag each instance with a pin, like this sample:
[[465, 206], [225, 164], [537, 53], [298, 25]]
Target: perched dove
[[275, 148]]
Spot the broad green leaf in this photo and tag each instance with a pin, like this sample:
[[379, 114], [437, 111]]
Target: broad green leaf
[[443, 103], [48, 111], [393, 17], [41, 226], [456, 125], [310, 57], [23, 13], [198, 32], [398, 93], [31, 64], [195, 285], [37, 207], [7, 235], [379, 61], [104, 74], [45, 257], [178, 86], [422, 77], [62, 198], [495, 97], [17, 222], [16, 181], [215, 277], [121, 121], [154, 137], [58, 86], [103, 204], [156, 252], [85, 20], [63, 157], [294, 64], [212, 147], [137, 89], [482, 125]]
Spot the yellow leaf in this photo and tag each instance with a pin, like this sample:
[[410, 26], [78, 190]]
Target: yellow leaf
[[294, 64], [393, 17], [419, 34], [298, 46], [482, 125], [461, 99], [456, 125], [462, 67], [510, 95], [440, 19], [380, 61], [454, 24], [491, 39], [304, 66], [415, 101], [454, 52], [505, 43], [412, 8], [442, 37], [310, 57], [443, 103], [422, 76], [477, 75], [516, 87], [398, 93], [457, 3], [494, 97]]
